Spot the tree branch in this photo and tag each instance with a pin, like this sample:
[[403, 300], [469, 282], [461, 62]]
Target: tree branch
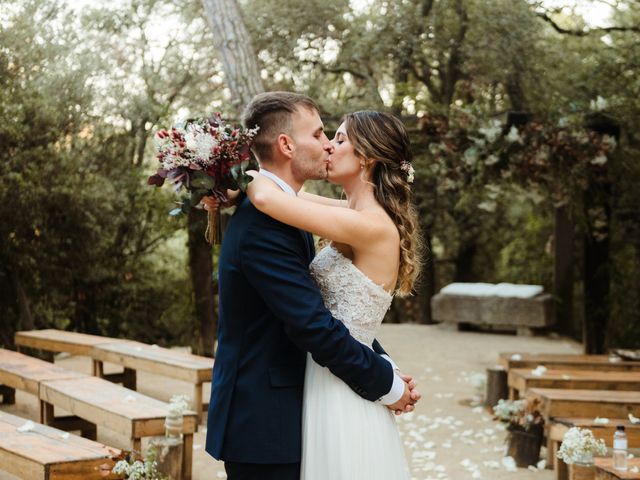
[[583, 33]]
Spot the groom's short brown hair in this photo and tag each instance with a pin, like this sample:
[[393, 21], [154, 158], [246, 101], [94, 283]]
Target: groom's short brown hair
[[272, 111]]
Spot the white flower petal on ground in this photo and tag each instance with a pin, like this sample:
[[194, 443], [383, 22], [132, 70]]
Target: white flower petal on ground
[[26, 427], [510, 464], [542, 464], [601, 421], [634, 470], [491, 464], [65, 435], [129, 399], [516, 357], [634, 420]]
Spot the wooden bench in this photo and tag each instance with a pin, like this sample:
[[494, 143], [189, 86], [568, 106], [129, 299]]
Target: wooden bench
[[520, 380], [558, 426], [162, 361], [605, 471], [133, 356], [48, 453], [52, 341], [585, 403], [112, 406], [568, 362], [92, 402]]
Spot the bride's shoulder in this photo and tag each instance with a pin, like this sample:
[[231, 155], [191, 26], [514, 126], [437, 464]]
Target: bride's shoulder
[[381, 222]]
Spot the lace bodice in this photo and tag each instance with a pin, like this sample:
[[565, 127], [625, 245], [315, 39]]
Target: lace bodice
[[349, 294]]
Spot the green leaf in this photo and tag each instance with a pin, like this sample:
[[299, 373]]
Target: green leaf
[[200, 180], [196, 196], [238, 172]]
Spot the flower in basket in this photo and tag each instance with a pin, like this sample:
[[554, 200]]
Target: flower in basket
[[134, 468], [580, 446], [205, 156], [519, 414]]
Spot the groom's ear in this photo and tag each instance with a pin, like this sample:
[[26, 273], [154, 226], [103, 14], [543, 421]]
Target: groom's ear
[[284, 145]]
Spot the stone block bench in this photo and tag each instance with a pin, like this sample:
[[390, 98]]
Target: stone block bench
[[502, 306]]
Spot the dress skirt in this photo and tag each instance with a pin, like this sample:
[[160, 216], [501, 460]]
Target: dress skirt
[[345, 437]]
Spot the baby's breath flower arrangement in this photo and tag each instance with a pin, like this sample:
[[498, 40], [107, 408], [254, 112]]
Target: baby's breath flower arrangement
[[132, 468], [580, 446], [518, 414]]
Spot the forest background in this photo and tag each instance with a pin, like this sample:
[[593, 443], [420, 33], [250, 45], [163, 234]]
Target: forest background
[[524, 118]]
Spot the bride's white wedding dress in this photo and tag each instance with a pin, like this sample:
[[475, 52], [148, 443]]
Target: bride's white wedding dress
[[345, 437]]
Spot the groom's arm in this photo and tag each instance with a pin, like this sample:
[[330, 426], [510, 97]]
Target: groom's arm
[[274, 262], [380, 351]]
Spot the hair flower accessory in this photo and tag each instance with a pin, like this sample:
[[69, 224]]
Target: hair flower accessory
[[407, 168]]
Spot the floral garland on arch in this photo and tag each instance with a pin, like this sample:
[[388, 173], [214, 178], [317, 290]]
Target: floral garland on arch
[[206, 157]]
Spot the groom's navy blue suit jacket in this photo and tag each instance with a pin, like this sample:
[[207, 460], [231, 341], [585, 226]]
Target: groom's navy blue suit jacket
[[270, 314]]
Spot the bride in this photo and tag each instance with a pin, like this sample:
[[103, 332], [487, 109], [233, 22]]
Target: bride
[[372, 255]]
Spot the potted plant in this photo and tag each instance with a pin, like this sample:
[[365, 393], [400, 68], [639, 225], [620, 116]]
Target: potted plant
[[578, 448], [525, 425]]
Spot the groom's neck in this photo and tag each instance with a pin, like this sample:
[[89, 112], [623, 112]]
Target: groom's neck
[[283, 171]]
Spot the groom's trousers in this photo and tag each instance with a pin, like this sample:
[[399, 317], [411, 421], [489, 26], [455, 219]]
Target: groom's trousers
[[253, 471]]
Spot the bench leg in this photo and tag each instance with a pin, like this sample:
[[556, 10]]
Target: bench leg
[[136, 445], [46, 413], [187, 456], [197, 402], [129, 378], [97, 368], [8, 395]]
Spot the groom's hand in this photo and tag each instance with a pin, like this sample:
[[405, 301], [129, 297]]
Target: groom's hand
[[410, 397]]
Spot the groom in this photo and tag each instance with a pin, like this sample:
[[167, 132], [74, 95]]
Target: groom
[[271, 312]]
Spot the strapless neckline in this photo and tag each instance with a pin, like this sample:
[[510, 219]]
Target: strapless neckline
[[363, 275]]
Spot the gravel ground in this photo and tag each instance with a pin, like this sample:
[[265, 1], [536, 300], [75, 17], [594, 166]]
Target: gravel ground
[[445, 438]]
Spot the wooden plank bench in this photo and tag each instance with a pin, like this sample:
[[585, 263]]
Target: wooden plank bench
[[112, 406], [21, 372], [48, 453], [92, 402], [585, 403], [520, 380], [605, 471], [133, 356], [52, 341], [558, 426], [183, 366], [568, 362]]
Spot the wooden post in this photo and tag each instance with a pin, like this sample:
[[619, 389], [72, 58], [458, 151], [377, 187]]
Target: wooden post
[[497, 387], [563, 269]]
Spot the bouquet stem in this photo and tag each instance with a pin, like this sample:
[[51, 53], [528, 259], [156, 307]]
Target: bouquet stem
[[213, 222]]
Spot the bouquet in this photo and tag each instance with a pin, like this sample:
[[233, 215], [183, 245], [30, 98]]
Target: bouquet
[[205, 156], [519, 414], [579, 446]]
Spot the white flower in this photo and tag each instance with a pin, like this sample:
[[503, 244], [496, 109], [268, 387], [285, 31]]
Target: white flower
[[27, 427], [514, 135], [178, 404], [598, 104], [579, 445], [492, 131], [599, 160]]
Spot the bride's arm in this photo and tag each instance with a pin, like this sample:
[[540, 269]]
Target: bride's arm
[[322, 200], [334, 223]]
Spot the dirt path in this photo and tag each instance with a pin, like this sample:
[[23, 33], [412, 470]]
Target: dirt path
[[444, 438]]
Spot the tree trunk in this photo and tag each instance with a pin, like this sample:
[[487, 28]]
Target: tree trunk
[[563, 270], [201, 269], [24, 310], [464, 263], [231, 39], [596, 280], [242, 77], [427, 284]]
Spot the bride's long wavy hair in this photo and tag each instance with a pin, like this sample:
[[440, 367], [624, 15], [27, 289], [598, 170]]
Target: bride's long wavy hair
[[383, 138]]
